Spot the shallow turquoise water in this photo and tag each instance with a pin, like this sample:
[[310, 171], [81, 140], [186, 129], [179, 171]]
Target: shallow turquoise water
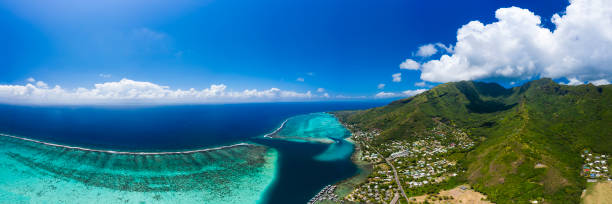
[[37, 173], [322, 128], [317, 126], [337, 151], [279, 170]]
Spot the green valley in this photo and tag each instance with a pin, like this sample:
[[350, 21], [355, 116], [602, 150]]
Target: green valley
[[520, 145]]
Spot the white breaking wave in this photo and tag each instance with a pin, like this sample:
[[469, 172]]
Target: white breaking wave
[[124, 152], [269, 135]]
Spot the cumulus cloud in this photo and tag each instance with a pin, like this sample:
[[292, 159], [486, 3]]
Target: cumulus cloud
[[427, 50], [421, 84], [300, 79], [31, 79], [448, 49], [573, 82], [383, 94], [600, 82], [42, 84], [413, 92], [397, 77], [410, 65], [516, 46], [381, 86], [320, 90], [406, 93], [130, 91]]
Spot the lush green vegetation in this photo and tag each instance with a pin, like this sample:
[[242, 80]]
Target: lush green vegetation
[[540, 122]]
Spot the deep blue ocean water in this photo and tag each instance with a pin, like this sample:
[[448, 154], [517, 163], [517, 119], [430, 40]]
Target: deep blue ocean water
[[166, 128]]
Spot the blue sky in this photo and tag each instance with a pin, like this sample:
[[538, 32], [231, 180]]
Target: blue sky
[[345, 47]]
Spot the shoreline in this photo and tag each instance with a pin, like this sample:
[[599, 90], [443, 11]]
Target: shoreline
[[347, 186], [125, 152]]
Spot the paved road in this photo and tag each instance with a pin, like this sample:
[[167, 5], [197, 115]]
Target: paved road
[[397, 178], [395, 198]]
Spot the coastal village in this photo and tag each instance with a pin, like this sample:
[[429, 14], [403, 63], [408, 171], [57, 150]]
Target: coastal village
[[595, 166], [326, 194], [406, 168], [418, 169]]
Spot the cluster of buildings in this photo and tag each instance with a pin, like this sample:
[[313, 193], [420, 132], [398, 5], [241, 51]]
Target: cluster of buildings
[[430, 172], [326, 193], [376, 190], [363, 136], [595, 166], [420, 160]]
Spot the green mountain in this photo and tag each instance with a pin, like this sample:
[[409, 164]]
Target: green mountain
[[539, 123]]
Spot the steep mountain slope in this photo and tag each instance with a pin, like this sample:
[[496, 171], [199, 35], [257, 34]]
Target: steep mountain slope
[[540, 123]]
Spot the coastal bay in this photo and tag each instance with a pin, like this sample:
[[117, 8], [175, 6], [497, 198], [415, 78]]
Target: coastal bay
[[158, 154]]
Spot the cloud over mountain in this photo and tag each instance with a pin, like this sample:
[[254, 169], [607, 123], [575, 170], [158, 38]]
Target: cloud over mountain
[[517, 46], [406, 93]]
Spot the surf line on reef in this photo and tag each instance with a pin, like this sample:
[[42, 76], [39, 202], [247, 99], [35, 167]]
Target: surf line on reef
[[269, 135], [123, 152]]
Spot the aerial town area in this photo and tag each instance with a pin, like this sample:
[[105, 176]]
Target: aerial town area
[[595, 166], [415, 166]]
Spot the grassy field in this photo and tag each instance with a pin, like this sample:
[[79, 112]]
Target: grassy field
[[458, 196]]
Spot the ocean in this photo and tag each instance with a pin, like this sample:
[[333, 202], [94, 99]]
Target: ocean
[[267, 170]]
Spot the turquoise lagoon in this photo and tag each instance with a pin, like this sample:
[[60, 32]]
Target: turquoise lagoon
[[36, 173], [318, 127], [232, 162]]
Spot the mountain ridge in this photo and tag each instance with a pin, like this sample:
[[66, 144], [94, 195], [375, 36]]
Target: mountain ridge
[[540, 123]]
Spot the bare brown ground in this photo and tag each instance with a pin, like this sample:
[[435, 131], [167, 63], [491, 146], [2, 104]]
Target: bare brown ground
[[600, 192], [459, 196]]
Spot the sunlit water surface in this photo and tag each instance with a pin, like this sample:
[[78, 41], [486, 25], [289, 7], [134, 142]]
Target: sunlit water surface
[[309, 153]]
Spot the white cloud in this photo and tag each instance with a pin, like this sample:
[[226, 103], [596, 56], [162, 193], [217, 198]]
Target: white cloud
[[300, 79], [129, 91], [421, 84], [397, 77], [413, 92], [573, 82], [406, 93], [383, 94], [381, 86], [448, 49], [31, 79], [42, 84], [516, 46], [105, 75], [600, 82], [310, 73], [427, 50], [320, 90], [410, 65], [326, 95]]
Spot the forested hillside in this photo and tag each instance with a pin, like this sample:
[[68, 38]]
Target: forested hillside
[[539, 124]]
